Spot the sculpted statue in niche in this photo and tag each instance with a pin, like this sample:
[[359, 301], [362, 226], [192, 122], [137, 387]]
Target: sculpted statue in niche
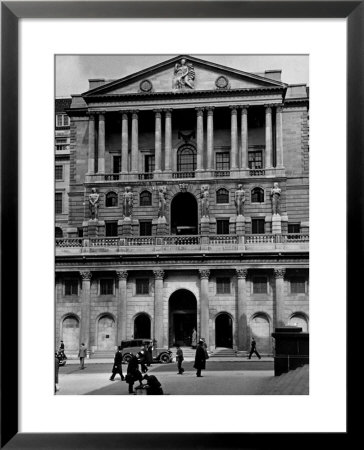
[[239, 200], [127, 202], [162, 191], [205, 202], [93, 202], [184, 75], [275, 194]]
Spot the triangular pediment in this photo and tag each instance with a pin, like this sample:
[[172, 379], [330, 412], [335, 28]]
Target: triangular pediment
[[184, 73]]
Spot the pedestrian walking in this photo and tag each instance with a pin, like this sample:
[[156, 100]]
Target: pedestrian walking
[[200, 358], [133, 374], [149, 354], [61, 350], [117, 366], [179, 359], [82, 355], [153, 385], [253, 349], [194, 338], [142, 360], [56, 373]]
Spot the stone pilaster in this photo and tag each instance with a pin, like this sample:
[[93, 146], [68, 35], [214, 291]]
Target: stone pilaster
[[243, 334], [85, 308], [279, 316], [124, 143], [244, 137], [91, 144], [122, 277], [268, 137], [205, 311], [168, 141], [158, 141], [279, 137], [234, 138], [101, 144], [210, 137], [199, 138], [134, 142], [158, 308]]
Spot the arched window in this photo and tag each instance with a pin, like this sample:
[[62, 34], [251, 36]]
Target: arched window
[[222, 196], [111, 199], [59, 232], [145, 198], [257, 195], [186, 159]]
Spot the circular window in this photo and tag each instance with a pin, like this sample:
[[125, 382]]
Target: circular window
[[222, 82], [145, 86]]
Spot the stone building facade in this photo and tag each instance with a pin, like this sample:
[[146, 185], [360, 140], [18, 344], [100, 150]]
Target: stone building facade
[[188, 207]]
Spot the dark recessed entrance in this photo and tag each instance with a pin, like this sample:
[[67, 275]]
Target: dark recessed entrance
[[224, 331], [184, 214], [142, 327], [182, 317]]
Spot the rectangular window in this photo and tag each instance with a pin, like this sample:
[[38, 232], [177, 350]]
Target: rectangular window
[[223, 285], [298, 285], [116, 164], [255, 160], [59, 120], [293, 228], [62, 120], [106, 286], [222, 226], [71, 287], [62, 143], [59, 203], [149, 163], [142, 286], [145, 227], [80, 232], [222, 161], [59, 173], [260, 285], [258, 226], [111, 229]]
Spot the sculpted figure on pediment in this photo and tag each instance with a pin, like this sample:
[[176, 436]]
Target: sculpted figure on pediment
[[184, 75], [162, 191], [127, 202], [239, 200], [275, 194], [205, 202]]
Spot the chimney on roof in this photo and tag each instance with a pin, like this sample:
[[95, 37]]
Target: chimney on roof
[[96, 82], [273, 74]]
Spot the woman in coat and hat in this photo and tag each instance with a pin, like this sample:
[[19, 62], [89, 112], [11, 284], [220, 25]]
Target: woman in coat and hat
[[200, 358]]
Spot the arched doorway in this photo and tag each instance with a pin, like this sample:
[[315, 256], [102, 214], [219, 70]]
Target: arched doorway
[[71, 333], [106, 333], [182, 317], [184, 214], [299, 320], [142, 326], [224, 331], [260, 330]]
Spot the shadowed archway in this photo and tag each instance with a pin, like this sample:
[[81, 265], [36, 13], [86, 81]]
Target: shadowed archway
[[182, 317]]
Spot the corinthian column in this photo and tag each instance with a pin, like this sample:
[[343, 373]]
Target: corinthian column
[[268, 137], [210, 137], [242, 310], [199, 138], [234, 137], [101, 144], [244, 137], [134, 142], [168, 141], [279, 320], [205, 312], [121, 304], [124, 142], [158, 308], [91, 143], [85, 308], [279, 136], [158, 141]]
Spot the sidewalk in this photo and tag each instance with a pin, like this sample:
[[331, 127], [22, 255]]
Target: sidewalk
[[212, 358]]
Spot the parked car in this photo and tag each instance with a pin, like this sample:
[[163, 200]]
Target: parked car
[[161, 355]]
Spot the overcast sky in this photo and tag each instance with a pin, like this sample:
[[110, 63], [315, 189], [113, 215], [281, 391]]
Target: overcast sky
[[73, 71]]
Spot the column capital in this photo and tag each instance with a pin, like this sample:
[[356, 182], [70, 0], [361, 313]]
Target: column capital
[[168, 111], [124, 113], [210, 110], [101, 112], [234, 109], [279, 273], [242, 273], [199, 111], [204, 273], [279, 108], [159, 274], [158, 113], [244, 109], [86, 275], [268, 108], [134, 113], [91, 115], [122, 274]]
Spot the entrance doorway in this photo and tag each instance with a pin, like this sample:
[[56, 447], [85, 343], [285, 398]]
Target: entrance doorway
[[142, 327], [106, 333], [184, 214], [224, 331], [182, 317]]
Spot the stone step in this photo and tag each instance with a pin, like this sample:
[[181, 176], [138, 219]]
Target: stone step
[[103, 355]]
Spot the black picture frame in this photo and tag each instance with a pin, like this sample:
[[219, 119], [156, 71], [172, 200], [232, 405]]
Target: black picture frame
[[11, 12]]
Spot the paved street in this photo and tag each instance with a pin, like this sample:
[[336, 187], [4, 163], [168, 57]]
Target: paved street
[[220, 378]]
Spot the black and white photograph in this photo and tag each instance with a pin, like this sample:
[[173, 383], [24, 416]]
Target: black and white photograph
[[181, 224]]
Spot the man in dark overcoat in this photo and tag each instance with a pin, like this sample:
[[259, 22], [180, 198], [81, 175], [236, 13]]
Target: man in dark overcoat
[[117, 367], [200, 358], [133, 373]]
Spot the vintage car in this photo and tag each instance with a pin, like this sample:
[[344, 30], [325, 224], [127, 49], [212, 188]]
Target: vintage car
[[161, 355]]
